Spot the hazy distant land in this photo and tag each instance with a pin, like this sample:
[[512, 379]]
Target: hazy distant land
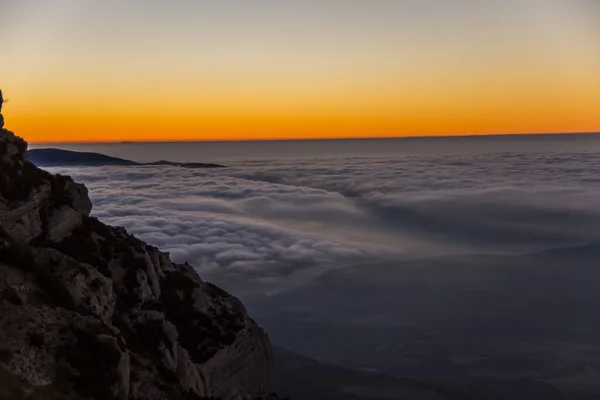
[[64, 158]]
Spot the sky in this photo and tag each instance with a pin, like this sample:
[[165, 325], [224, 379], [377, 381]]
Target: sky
[[236, 69]]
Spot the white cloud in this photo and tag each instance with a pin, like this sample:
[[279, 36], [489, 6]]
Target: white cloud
[[265, 226]]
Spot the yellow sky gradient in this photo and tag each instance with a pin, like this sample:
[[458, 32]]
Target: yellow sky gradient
[[489, 73]]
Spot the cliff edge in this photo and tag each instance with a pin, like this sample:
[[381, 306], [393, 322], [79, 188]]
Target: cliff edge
[[89, 311]]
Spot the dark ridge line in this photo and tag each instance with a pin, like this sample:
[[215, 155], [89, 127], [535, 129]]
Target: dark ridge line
[[51, 157]]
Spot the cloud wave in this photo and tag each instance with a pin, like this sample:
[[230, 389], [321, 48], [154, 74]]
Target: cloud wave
[[263, 226]]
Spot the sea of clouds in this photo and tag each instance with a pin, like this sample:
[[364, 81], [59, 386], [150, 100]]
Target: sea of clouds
[[264, 226]]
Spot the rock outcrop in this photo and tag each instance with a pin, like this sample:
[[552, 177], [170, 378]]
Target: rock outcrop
[[1, 116], [95, 313]]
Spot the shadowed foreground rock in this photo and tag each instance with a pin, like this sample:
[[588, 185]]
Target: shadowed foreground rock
[[89, 311]]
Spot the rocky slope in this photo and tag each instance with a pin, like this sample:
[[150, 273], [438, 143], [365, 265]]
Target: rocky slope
[[92, 312]]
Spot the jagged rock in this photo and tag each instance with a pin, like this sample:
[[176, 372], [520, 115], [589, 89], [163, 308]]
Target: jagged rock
[[76, 286], [237, 365], [1, 116], [94, 312], [13, 150], [34, 203]]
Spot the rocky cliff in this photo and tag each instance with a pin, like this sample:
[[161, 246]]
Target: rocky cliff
[[91, 312]]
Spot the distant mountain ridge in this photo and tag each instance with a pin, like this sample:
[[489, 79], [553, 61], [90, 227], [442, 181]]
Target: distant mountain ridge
[[60, 158], [331, 382]]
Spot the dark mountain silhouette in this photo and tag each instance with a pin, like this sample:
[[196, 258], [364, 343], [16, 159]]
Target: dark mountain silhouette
[[332, 382], [62, 158]]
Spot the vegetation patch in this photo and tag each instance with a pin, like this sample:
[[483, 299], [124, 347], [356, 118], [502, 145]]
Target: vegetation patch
[[88, 363], [18, 255], [16, 184], [6, 355]]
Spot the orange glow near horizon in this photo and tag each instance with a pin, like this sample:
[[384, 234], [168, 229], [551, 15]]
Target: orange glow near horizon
[[239, 116], [522, 67]]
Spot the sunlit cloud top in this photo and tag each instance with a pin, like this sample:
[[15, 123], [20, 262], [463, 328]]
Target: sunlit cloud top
[[169, 70]]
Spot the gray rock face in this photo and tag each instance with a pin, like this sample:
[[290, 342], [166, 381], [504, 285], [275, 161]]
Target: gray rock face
[[12, 150], [236, 365], [34, 203], [95, 312]]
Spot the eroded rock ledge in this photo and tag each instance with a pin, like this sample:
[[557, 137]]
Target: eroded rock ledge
[[93, 312]]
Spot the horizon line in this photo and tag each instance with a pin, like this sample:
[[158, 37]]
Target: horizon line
[[303, 139]]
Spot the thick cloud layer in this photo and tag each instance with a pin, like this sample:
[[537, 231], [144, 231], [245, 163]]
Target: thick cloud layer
[[268, 225]]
